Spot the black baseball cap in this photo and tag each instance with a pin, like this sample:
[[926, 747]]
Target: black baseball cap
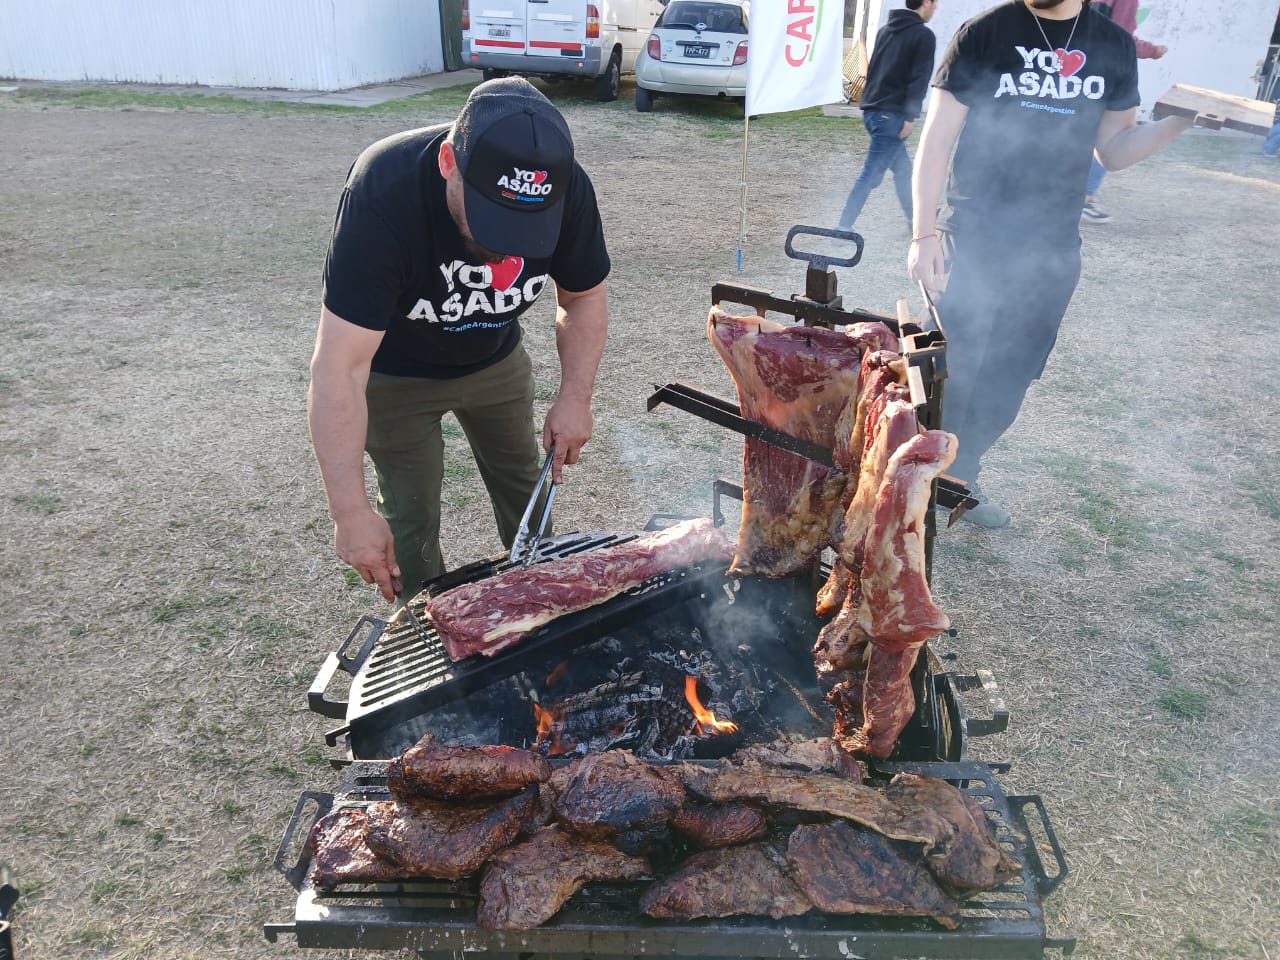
[[516, 158]]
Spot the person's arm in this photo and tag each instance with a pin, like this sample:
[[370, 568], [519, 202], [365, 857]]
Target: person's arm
[[1122, 142], [339, 419], [582, 325], [918, 87], [941, 129]]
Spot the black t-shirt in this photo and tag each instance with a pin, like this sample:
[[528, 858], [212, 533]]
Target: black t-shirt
[[396, 263], [1023, 155]]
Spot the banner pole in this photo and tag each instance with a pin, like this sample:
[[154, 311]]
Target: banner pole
[[742, 200]]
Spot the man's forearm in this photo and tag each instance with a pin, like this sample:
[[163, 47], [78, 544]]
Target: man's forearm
[[339, 419], [1139, 142], [582, 327]]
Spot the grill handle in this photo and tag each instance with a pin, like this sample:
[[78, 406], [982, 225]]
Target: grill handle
[[297, 873], [1044, 882], [318, 699]]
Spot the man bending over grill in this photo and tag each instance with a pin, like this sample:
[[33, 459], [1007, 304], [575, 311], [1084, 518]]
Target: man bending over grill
[[444, 236], [1027, 92]]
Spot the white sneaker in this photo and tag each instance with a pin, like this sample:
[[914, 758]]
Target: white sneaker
[[1092, 213]]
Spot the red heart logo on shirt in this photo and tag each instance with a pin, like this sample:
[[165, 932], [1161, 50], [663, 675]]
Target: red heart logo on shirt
[[1071, 61], [539, 176], [504, 273]]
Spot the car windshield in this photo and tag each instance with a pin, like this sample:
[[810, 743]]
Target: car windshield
[[715, 17]]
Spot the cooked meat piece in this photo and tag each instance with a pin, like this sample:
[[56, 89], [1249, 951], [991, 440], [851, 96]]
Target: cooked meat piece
[[431, 771], [750, 879], [820, 755], [832, 595], [524, 885], [339, 853], [887, 703], [842, 869], [815, 792], [490, 615], [615, 790], [799, 380], [433, 838], [969, 858], [711, 825]]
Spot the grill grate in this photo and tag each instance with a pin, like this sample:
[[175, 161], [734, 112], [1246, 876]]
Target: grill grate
[[603, 920]]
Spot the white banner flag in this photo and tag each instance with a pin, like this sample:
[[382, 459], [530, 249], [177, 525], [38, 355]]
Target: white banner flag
[[795, 55]]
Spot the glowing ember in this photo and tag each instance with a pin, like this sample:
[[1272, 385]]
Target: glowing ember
[[707, 722]]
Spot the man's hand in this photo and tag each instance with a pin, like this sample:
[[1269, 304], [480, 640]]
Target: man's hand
[[1159, 51], [364, 541], [568, 426], [906, 130], [926, 264]]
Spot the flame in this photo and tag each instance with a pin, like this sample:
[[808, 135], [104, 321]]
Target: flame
[[554, 676], [546, 719], [707, 722]]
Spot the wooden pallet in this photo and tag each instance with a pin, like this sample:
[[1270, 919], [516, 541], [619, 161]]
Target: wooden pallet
[[1215, 110]]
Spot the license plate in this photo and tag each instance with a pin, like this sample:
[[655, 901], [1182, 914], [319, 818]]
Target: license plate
[[499, 31], [700, 51]]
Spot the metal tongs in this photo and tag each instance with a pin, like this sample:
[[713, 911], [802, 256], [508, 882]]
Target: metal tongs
[[526, 543]]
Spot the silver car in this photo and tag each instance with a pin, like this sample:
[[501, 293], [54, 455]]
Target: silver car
[[697, 47]]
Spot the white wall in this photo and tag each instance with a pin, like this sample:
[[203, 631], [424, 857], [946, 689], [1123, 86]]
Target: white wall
[[1213, 45], [290, 44]]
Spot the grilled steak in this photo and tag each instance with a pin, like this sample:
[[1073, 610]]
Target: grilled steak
[[615, 791], [750, 879], [842, 869], [433, 838], [340, 853], [799, 380], [431, 771], [967, 859], [814, 792], [490, 615], [523, 886], [820, 755], [711, 825]]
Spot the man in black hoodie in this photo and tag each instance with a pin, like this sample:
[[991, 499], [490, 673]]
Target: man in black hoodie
[[897, 80]]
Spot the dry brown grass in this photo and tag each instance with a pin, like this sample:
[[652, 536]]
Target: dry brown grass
[[168, 589]]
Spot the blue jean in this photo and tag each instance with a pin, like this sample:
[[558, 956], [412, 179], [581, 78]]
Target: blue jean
[[886, 152], [1096, 173], [1271, 146]]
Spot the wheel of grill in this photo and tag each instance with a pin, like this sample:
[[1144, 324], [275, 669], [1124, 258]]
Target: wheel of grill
[[644, 99], [607, 82]]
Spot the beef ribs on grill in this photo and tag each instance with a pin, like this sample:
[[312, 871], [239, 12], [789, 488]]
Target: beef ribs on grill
[[799, 380], [490, 615], [613, 792], [524, 885], [340, 853], [433, 838], [812, 792], [969, 857], [817, 755], [711, 825], [750, 879], [842, 869], [433, 771]]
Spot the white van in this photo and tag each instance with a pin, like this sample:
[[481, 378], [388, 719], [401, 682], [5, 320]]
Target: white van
[[548, 38]]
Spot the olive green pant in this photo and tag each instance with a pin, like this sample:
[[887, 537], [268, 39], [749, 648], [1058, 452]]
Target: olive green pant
[[404, 441]]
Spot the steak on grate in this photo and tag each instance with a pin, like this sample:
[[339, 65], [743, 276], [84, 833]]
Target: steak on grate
[[969, 857], [842, 869], [432, 771], [817, 755], [433, 838], [711, 825], [750, 879], [524, 885], [615, 791], [340, 853]]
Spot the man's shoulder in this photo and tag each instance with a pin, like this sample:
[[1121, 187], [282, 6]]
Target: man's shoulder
[[396, 154]]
